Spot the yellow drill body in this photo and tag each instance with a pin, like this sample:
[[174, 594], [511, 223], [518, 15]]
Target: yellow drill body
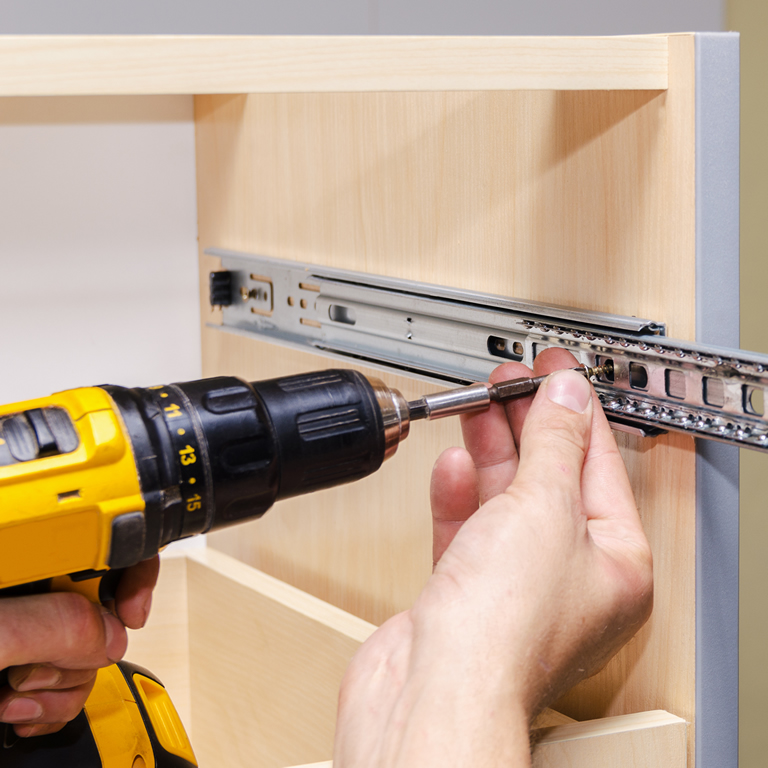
[[56, 512]]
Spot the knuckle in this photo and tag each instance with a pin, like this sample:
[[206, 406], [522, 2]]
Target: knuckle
[[634, 588], [507, 371], [65, 705], [74, 702], [559, 435], [564, 426], [81, 625], [645, 572], [39, 729]]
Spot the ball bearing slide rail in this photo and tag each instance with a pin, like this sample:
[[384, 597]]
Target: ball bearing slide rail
[[647, 383]]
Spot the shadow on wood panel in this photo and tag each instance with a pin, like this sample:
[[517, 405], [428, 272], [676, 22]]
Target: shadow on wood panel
[[597, 197], [421, 184]]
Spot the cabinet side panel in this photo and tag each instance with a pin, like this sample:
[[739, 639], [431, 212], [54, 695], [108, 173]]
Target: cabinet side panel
[[579, 198], [266, 665]]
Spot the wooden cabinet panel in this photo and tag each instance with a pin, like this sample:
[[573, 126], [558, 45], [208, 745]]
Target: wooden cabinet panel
[[264, 661], [583, 198]]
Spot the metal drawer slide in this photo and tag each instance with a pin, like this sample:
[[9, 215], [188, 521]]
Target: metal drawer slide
[[452, 336]]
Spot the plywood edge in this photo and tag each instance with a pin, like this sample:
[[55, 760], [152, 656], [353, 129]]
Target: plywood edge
[[302, 603], [655, 737], [45, 65], [633, 741], [326, 764], [550, 717], [607, 726]]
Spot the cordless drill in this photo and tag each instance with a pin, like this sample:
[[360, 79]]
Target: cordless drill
[[97, 479]]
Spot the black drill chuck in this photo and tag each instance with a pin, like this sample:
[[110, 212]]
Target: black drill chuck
[[213, 452]]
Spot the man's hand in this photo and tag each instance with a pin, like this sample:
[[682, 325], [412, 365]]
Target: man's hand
[[53, 644], [542, 573]]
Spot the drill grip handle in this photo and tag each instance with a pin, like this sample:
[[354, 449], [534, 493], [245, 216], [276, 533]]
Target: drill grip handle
[[126, 699], [128, 721]]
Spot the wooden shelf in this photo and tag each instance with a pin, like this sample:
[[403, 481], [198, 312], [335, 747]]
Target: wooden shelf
[[130, 65], [265, 661]]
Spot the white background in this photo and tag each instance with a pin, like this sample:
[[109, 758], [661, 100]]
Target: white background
[[98, 228]]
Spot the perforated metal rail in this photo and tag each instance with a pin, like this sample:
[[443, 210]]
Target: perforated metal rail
[[453, 336]]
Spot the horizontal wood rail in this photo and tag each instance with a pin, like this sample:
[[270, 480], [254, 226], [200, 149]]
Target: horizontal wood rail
[[130, 65]]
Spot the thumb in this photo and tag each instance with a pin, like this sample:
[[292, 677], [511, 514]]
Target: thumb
[[556, 433]]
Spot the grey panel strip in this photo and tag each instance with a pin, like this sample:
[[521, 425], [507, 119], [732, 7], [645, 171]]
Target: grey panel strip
[[717, 466]]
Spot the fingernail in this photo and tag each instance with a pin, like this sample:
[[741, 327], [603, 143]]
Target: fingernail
[[39, 677], [22, 710], [569, 389], [113, 635]]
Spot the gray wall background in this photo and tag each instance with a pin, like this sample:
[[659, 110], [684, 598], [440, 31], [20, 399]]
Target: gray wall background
[[359, 17]]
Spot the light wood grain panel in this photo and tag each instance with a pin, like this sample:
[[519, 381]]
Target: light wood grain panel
[[549, 718], [581, 198], [531, 194], [162, 646], [639, 740], [266, 664], [119, 64]]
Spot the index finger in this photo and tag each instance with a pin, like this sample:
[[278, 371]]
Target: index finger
[[62, 628], [489, 437], [134, 592]]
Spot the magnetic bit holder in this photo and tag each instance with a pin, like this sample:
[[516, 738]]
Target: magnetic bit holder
[[478, 397]]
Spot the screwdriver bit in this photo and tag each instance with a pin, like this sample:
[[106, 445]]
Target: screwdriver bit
[[479, 396]]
